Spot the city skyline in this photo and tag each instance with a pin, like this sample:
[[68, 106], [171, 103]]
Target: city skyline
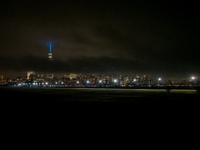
[[140, 37], [34, 79], [50, 59]]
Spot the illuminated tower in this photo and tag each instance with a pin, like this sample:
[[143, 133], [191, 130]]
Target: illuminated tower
[[50, 54]]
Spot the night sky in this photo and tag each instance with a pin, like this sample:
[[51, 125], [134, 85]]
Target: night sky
[[159, 38]]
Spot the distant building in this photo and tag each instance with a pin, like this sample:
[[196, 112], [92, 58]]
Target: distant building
[[49, 76], [2, 81], [30, 74], [50, 57]]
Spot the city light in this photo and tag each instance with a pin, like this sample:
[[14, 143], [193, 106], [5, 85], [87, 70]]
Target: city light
[[85, 80]]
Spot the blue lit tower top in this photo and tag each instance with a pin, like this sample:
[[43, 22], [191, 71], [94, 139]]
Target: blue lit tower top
[[50, 48], [50, 53]]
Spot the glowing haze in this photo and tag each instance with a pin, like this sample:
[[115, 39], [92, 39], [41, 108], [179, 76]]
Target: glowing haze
[[147, 37]]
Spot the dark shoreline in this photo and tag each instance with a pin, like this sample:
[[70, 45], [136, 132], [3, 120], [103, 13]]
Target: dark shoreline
[[116, 119]]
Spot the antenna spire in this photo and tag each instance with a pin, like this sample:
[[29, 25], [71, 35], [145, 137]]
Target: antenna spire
[[50, 48]]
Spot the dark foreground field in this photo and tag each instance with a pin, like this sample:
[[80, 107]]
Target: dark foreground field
[[100, 118]]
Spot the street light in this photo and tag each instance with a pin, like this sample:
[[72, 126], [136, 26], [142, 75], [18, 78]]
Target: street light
[[115, 82], [193, 81], [88, 81], [159, 83]]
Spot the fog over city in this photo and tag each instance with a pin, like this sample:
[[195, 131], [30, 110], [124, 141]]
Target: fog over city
[[137, 37]]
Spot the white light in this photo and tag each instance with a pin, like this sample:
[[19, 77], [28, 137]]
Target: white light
[[88, 81], [62, 82], [115, 80], [56, 82], [193, 78], [100, 81], [33, 83], [77, 82], [46, 83], [134, 80], [159, 79]]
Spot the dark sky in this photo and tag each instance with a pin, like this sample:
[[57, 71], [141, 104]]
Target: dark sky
[[159, 38]]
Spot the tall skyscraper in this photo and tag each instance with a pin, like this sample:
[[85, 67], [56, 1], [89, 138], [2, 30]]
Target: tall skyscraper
[[50, 54]]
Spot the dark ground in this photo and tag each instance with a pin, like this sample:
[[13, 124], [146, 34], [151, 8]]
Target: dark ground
[[100, 118]]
